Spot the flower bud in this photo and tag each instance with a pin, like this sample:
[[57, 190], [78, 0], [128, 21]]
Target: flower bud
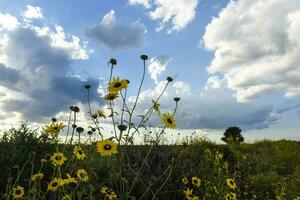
[[144, 57], [113, 61], [169, 78]]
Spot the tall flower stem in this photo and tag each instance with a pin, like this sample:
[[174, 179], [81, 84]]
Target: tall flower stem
[[137, 97]]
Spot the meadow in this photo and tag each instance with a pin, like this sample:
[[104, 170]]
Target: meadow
[[37, 164]]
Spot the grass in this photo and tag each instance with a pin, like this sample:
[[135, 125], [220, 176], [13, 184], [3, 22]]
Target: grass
[[263, 170]]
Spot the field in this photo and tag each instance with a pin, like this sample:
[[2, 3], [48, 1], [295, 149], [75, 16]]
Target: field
[[194, 169]]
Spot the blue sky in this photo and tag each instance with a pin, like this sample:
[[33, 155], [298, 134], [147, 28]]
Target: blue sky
[[234, 62]]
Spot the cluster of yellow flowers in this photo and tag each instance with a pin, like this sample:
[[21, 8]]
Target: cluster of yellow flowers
[[109, 194], [196, 182], [232, 185]]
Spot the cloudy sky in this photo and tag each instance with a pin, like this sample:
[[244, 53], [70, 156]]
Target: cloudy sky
[[234, 63]]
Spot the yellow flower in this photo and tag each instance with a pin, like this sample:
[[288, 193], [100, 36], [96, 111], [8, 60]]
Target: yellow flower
[[104, 189], [54, 128], [196, 181], [156, 105], [18, 192], [169, 120], [111, 196], [117, 85], [111, 96], [79, 153], [68, 180], [37, 177], [82, 175], [188, 193], [230, 196], [107, 147], [230, 182], [101, 114], [219, 155], [54, 184], [185, 180], [297, 198], [67, 197], [58, 159]]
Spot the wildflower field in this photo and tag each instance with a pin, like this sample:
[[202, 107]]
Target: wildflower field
[[38, 164]]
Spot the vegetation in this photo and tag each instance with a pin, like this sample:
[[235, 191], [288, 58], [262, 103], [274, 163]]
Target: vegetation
[[39, 165]]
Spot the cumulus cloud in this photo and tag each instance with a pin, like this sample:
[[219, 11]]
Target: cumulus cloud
[[158, 65], [33, 12], [36, 74], [204, 109], [116, 35], [178, 14], [256, 46], [8, 22]]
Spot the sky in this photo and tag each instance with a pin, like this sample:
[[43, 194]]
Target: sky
[[234, 63]]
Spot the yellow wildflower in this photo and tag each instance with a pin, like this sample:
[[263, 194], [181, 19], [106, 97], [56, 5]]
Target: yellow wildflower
[[107, 147], [169, 120], [58, 159]]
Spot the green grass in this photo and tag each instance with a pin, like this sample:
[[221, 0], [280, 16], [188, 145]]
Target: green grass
[[262, 170]]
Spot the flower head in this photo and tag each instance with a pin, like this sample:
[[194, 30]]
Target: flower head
[[82, 175], [185, 180], [101, 114], [111, 96], [54, 184], [219, 155], [104, 189], [54, 128], [169, 120], [230, 196], [79, 153], [107, 147], [117, 84], [144, 57], [113, 61], [18, 192], [70, 180], [230, 182], [37, 177], [156, 105], [188, 193], [196, 181], [58, 159]]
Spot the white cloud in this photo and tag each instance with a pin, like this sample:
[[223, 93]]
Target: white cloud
[[204, 109], [8, 22], [35, 68], [145, 3], [33, 12], [158, 65], [213, 82], [73, 45], [256, 46], [109, 19], [178, 13]]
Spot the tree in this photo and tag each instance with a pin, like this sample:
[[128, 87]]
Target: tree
[[233, 134]]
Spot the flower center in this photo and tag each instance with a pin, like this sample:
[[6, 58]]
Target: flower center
[[107, 147], [18, 191], [57, 158], [79, 152], [54, 184], [169, 121], [117, 84]]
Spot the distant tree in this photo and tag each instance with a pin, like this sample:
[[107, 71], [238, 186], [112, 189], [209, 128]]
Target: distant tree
[[233, 134]]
